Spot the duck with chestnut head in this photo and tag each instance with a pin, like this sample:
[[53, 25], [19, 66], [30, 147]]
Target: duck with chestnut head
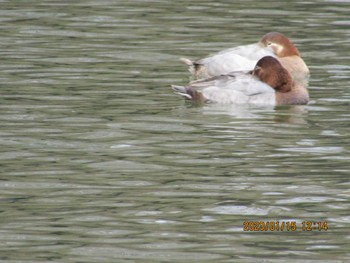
[[269, 83], [245, 57]]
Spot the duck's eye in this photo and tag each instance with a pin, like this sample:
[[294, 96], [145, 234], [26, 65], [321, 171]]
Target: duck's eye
[[269, 43]]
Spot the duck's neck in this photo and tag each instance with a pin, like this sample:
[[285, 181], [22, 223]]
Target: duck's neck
[[296, 67], [296, 96]]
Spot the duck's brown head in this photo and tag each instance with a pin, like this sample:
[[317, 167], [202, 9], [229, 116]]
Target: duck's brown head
[[280, 44], [269, 70]]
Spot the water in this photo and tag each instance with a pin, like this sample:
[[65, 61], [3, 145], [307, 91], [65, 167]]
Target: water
[[101, 162]]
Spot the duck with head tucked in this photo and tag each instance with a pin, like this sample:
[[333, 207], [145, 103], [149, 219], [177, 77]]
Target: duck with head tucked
[[245, 58], [269, 83]]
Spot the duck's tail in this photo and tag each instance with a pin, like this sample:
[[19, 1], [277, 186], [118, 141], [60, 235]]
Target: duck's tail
[[187, 61], [191, 65], [189, 93]]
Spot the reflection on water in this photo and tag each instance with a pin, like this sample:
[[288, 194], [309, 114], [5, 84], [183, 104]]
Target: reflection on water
[[101, 162]]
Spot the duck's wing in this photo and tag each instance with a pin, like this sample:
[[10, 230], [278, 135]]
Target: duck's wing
[[241, 81], [233, 59], [233, 88], [247, 51], [241, 89]]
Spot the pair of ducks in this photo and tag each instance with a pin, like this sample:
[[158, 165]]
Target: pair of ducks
[[270, 72]]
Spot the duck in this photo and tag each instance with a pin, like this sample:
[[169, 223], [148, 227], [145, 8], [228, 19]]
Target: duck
[[245, 57], [269, 83]]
